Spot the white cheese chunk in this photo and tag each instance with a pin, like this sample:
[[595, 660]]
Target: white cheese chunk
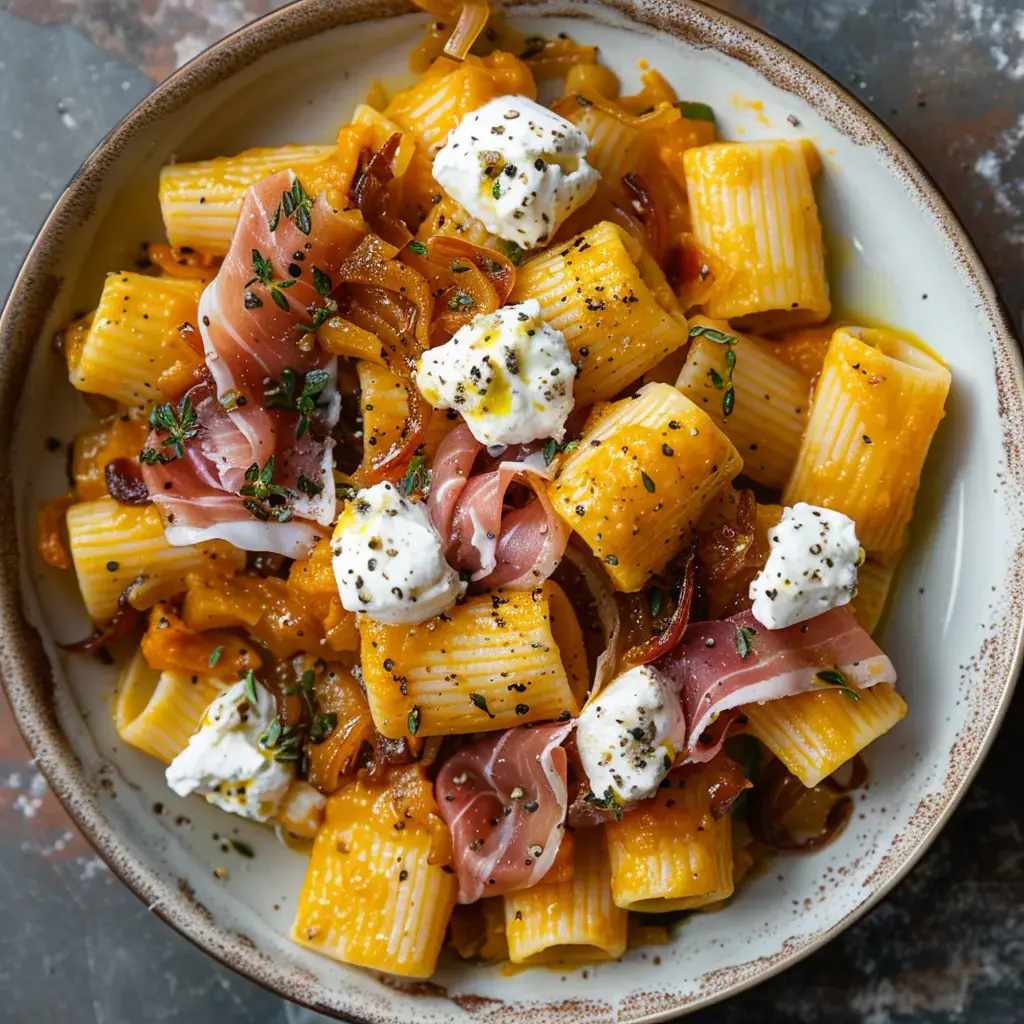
[[517, 167], [226, 761], [389, 561], [508, 373], [811, 569], [628, 736]]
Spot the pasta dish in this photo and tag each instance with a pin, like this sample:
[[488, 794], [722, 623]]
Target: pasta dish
[[491, 502]]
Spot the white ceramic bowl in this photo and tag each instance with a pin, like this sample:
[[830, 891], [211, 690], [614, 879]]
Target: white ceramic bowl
[[897, 255]]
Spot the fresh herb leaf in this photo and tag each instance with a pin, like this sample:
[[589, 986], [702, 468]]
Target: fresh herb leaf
[[307, 486], [271, 734], [418, 247], [608, 802], [496, 189], [250, 690], [728, 402], [215, 657], [322, 726], [417, 476], [648, 482], [833, 677], [414, 720], [259, 482], [549, 450], [480, 701], [275, 218], [279, 300], [322, 283], [656, 598], [299, 203], [150, 456], [716, 378], [696, 111], [719, 337], [263, 269], [180, 427], [744, 640], [515, 253]]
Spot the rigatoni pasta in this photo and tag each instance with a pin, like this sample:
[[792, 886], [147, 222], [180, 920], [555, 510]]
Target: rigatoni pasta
[[117, 546], [135, 349], [568, 922], [375, 895], [668, 460], [200, 201], [814, 734], [759, 402], [592, 289], [156, 712], [493, 662], [876, 407], [753, 207], [671, 853]]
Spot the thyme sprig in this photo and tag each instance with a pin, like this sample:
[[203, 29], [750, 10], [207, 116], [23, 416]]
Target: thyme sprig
[[180, 425], [721, 383]]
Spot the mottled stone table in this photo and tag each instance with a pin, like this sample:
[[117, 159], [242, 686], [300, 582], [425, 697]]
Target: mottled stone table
[[947, 946]]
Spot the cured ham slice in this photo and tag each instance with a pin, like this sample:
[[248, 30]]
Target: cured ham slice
[[504, 799], [517, 548], [270, 400], [715, 679]]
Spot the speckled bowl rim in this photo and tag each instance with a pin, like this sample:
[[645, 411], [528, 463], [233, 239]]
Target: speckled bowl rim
[[24, 668]]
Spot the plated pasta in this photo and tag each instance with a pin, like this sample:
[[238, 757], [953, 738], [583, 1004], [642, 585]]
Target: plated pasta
[[491, 503]]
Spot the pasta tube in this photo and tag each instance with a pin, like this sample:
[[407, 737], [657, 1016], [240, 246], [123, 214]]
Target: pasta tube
[[753, 207], [377, 893], [877, 405], [639, 480], [813, 734], [134, 351], [759, 402], [610, 301], [670, 853], [493, 662], [114, 546], [572, 921], [200, 202], [156, 712]]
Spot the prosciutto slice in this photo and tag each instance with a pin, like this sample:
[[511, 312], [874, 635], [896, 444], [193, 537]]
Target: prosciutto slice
[[259, 361], [714, 679], [517, 548], [504, 799]]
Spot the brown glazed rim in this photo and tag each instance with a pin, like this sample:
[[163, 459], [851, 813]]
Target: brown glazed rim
[[25, 670]]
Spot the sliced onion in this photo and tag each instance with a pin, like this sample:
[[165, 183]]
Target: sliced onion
[[661, 643], [125, 619], [472, 21], [608, 611]]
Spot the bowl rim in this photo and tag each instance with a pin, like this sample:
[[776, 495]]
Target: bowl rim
[[25, 671]]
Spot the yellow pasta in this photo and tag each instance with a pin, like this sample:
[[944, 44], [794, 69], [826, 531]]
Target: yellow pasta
[[639, 480], [385, 405], [450, 90], [813, 734], [616, 149], [114, 546], [874, 581], [496, 661], [568, 922], [876, 407], [613, 305], [157, 712], [753, 207], [767, 399], [133, 351], [670, 853], [376, 894], [200, 202]]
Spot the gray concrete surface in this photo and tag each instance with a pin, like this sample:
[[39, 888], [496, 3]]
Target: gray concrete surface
[[946, 947]]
